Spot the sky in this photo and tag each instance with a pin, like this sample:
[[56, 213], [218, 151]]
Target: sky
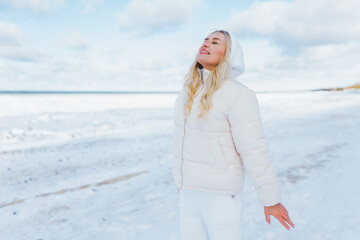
[[149, 45]]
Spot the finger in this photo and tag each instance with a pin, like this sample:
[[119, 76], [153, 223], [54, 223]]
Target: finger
[[287, 219], [282, 221], [267, 217]]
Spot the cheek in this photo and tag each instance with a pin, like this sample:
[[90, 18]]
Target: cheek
[[218, 55]]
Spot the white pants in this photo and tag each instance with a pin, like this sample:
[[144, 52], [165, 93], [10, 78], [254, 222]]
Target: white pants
[[209, 216]]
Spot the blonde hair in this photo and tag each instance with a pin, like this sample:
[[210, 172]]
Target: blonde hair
[[215, 79]]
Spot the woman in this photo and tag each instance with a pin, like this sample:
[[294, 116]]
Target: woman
[[218, 134]]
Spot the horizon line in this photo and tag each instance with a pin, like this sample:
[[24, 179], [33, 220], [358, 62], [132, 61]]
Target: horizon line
[[123, 92]]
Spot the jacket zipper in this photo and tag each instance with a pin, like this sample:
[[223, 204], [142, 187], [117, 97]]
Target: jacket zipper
[[182, 158], [182, 150]]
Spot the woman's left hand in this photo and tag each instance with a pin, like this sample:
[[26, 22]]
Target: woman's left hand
[[280, 213]]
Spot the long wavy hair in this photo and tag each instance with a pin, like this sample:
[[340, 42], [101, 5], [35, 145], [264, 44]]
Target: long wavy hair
[[216, 78]]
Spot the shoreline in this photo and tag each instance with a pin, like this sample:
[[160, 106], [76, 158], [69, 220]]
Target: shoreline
[[355, 86], [10, 92]]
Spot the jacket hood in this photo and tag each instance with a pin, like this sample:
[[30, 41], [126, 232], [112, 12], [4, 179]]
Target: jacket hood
[[236, 57]]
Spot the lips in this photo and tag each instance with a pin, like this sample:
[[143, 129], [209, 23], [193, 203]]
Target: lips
[[203, 51]]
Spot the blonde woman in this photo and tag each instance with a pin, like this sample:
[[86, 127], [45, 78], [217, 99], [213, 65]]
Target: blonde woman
[[218, 135]]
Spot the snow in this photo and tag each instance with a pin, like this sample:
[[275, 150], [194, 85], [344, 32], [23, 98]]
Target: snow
[[98, 166]]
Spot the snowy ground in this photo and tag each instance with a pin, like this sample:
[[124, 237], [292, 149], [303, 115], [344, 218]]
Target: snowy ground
[[99, 167]]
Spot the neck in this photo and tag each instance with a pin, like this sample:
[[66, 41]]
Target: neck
[[205, 74], [208, 67]]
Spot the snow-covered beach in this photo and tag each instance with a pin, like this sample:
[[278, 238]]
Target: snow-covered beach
[[98, 166]]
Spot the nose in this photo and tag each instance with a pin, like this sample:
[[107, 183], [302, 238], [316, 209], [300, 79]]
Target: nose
[[205, 44]]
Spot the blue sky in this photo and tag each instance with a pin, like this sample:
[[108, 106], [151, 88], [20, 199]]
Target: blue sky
[[150, 44]]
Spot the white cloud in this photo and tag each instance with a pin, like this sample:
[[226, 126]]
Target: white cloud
[[16, 53], [90, 5], [12, 45], [299, 44], [75, 41], [330, 65], [144, 16], [35, 5], [10, 34], [300, 22]]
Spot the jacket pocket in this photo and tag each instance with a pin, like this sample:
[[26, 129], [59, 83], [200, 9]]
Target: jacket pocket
[[218, 155]]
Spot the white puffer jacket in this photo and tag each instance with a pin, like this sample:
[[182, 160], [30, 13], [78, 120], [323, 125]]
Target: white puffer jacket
[[211, 153]]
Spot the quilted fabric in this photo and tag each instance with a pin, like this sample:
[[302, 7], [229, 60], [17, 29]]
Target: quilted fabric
[[212, 153]]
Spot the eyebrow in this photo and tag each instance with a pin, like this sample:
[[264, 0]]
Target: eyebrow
[[213, 38]]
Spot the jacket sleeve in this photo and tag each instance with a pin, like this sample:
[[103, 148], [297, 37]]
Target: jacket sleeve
[[246, 129]]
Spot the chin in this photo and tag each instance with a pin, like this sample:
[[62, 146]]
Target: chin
[[200, 61]]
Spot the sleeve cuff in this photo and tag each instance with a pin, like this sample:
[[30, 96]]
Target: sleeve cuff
[[269, 194]]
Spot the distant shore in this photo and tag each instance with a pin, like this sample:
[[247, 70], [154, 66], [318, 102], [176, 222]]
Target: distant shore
[[356, 86], [84, 92]]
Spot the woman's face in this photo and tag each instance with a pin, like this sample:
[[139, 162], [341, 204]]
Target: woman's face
[[212, 50]]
